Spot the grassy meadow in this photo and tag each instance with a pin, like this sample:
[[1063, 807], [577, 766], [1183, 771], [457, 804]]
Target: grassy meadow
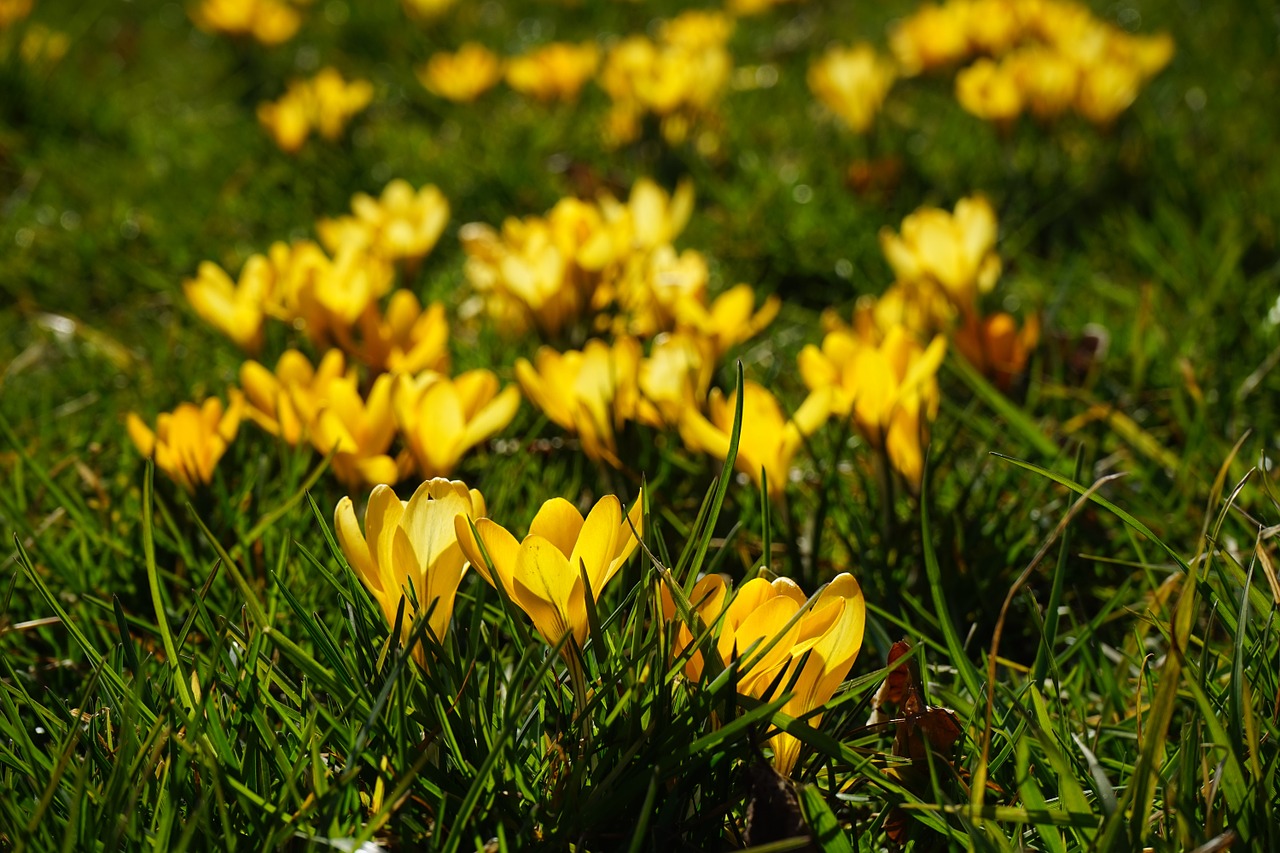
[[1077, 539]]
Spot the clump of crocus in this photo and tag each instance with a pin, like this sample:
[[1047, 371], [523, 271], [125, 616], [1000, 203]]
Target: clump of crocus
[[408, 555], [462, 76], [323, 104], [401, 225], [679, 78], [554, 72], [269, 22], [769, 439], [440, 419], [758, 631], [889, 387], [188, 442], [543, 574], [852, 82]]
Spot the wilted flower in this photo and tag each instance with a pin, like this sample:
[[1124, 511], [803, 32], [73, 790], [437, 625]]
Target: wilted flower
[[769, 439], [554, 72], [441, 419], [188, 442], [852, 82], [889, 386], [267, 21], [543, 575], [409, 551], [996, 346], [955, 251], [285, 402], [753, 629], [325, 104], [401, 225], [464, 75]]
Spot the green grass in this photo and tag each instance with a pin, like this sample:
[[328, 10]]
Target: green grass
[[209, 674]]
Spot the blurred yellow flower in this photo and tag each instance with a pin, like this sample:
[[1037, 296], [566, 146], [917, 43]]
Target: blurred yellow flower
[[236, 309], [267, 21], [852, 82], [325, 103], [462, 76], [1106, 91], [542, 574], [990, 91], [12, 11], [188, 442], [591, 393], [932, 37], [555, 72], [955, 251], [357, 431], [41, 45], [753, 628], [673, 378], [1047, 80], [997, 347], [285, 402], [406, 339], [441, 419], [769, 439], [889, 387], [426, 9], [409, 551], [401, 225]]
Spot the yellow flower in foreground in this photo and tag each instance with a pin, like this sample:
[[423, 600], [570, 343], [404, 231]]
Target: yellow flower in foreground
[[990, 91], [769, 440], [557, 71], [591, 392], [756, 618], [236, 309], [543, 574], [411, 545], [462, 76], [403, 224], [189, 441], [890, 388], [852, 82], [953, 250], [441, 419], [267, 21]]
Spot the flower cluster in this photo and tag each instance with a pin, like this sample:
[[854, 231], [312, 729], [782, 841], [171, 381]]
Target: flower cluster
[[324, 104], [781, 641], [268, 22], [852, 82], [1046, 56], [678, 78], [553, 72], [188, 442]]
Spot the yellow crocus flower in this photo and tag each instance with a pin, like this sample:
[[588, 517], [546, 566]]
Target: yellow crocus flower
[[404, 339], [731, 318], [1047, 79], [990, 91], [12, 11], [852, 82], [888, 386], [285, 402], [236, 309], [188, 442], [325, 103], [441, 419], [462, 76], [932, 37], [1106, 90], [269, 22], [411, 545], [591, 392], [555, 72], [769, 439], [357, 431], [955, 251], [426, 9], [401, 225], [673, 378], [542, 574], [997, 347], [341, 291]]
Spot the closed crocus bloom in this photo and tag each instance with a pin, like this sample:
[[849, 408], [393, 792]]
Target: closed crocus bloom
[[556, 72], [990, 91], [357, 431], [543, 574], [932, 37], [411, 545], [236, 309], [769, 439], [731, 319], [954, 250], [335, 101], [522, 274], [405, 339], [441, 419], [852, 82], [188, 442], [403, 224], [287, 120], [1107, 90], [462, 76], [889, 386], [591, 392], [673, 378], [285, 402], [996, 346]]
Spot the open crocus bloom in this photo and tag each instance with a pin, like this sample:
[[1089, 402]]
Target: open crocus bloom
[[543, 575], [189, 441], [441, 418], [955, 251], [410, 545], [808, 657]]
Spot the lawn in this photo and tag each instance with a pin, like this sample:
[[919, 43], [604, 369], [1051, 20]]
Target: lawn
[[895, 442]]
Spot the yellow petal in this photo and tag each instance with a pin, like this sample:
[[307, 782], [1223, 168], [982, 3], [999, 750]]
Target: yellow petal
[[559, 522]]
